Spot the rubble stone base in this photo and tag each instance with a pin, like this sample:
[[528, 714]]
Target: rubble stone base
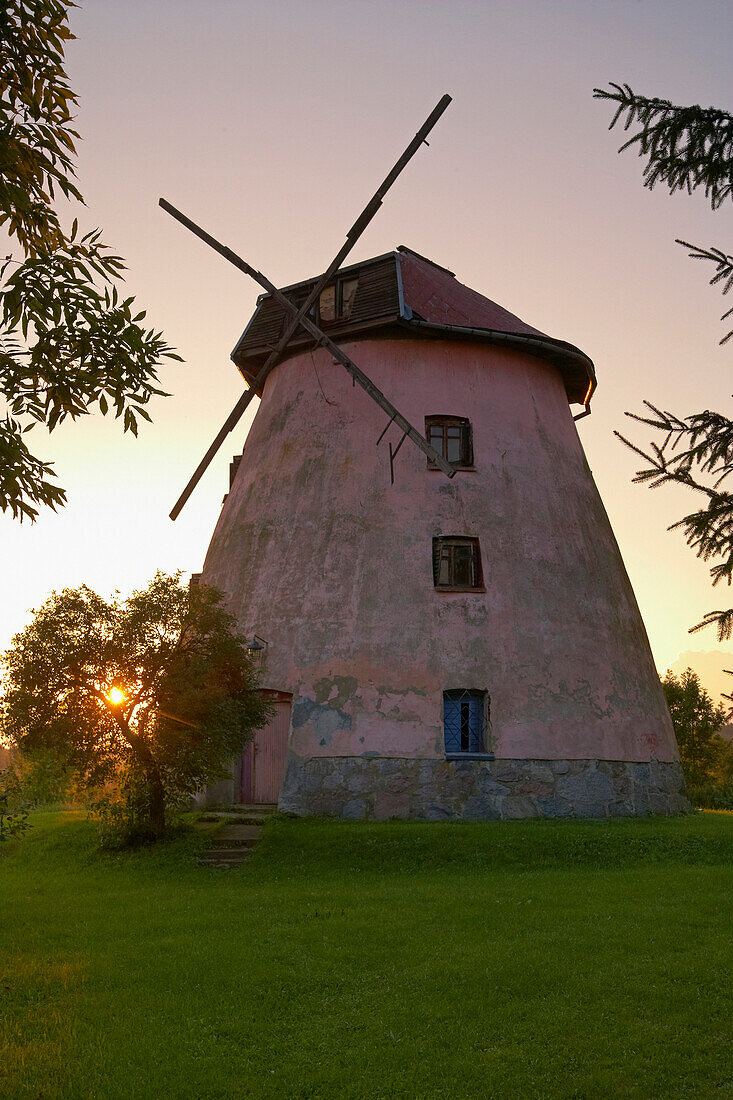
[[480, 790]]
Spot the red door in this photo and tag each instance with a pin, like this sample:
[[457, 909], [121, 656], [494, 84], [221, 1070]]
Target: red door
[[263, 760]]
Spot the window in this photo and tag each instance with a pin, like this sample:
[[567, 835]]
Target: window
[[337, 301], [457, 564], [451, 437], [463, 721]]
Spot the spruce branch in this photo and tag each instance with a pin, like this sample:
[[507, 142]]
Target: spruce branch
[[695, 451], [723, 272], [688, 148], [685, 147], [723, 620]]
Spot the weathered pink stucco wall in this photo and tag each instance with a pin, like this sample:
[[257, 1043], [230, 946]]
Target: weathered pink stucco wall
[[332, 565]]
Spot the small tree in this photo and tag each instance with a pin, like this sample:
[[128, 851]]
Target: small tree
[[696, 720], [156, 690]]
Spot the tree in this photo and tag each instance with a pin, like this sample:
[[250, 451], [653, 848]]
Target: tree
[[696, 720], [689, 148], [157, 690], [69, 341]]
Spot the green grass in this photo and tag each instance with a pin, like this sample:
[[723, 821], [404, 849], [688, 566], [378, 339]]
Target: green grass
[[517, 959]]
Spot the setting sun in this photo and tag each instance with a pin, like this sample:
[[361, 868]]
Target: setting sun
[[116, 696]]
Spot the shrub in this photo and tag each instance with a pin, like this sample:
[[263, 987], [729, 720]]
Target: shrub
[[13, 811], [120, 810], [712, 796], [44, 780]]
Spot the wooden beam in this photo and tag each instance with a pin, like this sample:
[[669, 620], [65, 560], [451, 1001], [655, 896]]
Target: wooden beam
[[297, 315]]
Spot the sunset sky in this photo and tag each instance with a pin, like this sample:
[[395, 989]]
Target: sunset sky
[[272, 124]]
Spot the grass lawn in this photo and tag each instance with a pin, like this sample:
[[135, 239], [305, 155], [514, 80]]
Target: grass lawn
[[508, 959]]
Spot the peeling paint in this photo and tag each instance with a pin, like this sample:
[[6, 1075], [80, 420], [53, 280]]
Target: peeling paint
[[324, 720], [337, 691], [564, 701], [383, 689]]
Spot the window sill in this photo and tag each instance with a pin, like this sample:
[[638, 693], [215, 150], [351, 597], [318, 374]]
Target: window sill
[[451, 588], [458, 469], [470, 756]]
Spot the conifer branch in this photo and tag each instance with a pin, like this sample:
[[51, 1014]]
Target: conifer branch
[[696, 451], [688, 148], [723, 272], [685, 147]]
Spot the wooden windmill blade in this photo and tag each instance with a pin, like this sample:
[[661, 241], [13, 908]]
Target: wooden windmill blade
[[297, 315], [358, 375], [322, 340], [352, 237]]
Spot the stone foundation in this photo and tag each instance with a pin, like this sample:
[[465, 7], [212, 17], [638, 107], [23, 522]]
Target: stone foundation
[[479, 790]]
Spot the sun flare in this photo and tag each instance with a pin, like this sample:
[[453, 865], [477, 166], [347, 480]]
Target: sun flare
[[116, 696]]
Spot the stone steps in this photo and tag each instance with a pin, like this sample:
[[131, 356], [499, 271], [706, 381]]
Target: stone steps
[[233, 819], [241, 829], [225, 857], [251, 815]]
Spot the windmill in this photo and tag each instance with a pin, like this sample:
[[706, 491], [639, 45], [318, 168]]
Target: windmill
[[462, 641], [300, 317]]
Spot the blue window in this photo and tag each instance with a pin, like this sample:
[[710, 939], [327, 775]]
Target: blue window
[[463, 721]]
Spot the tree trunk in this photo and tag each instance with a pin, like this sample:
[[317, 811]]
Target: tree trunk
[[153, 779], [156, 802]]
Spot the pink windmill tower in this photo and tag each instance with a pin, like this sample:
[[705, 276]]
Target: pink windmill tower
[[446, 630]]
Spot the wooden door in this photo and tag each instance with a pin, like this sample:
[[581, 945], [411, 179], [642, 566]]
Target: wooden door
[[263, 761]]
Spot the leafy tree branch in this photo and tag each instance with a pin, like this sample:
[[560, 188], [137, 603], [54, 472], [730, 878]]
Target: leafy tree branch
[[70, 342], [697, 721]]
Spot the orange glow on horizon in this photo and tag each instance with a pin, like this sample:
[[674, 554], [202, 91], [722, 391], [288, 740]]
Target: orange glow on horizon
[[649, 325]]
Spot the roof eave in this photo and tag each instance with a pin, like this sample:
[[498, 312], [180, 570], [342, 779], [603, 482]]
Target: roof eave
[[256, 356], [558, 351]]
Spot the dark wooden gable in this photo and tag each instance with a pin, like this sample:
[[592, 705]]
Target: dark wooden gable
[[378, 300]]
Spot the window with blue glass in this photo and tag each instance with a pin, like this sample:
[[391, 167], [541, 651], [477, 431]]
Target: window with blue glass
[[464, 717]]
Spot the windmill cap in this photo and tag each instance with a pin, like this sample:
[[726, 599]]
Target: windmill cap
[[405, 294]]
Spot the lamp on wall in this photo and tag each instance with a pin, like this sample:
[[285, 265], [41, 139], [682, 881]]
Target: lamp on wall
[[256, 648]]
